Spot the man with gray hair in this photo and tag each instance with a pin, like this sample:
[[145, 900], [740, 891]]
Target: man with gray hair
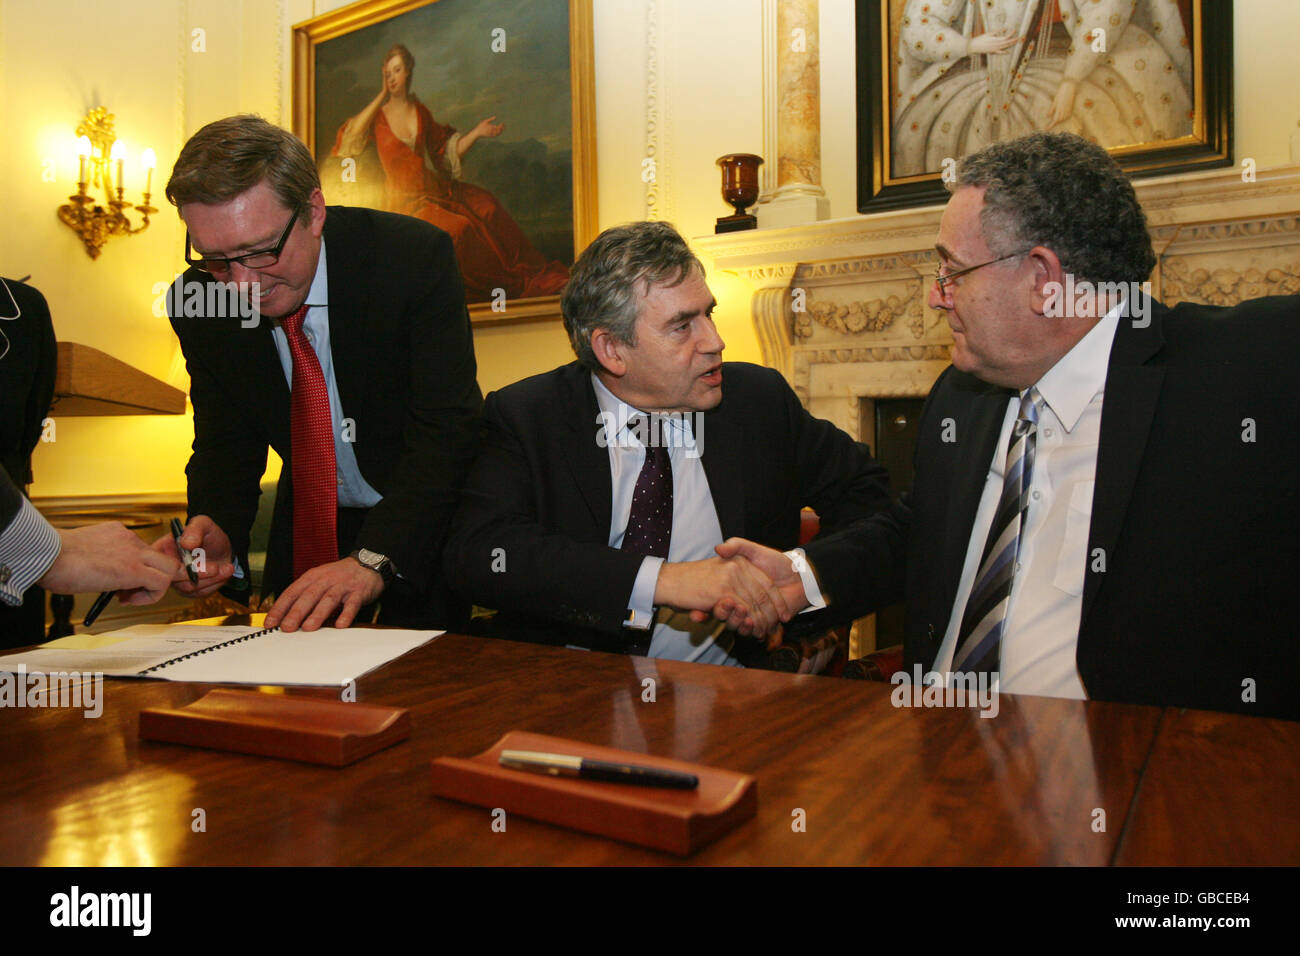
[[1104, 502], [356, 365], [591, 515]]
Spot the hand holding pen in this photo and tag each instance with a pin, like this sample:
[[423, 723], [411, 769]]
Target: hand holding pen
[[109, 556], [210, 565]]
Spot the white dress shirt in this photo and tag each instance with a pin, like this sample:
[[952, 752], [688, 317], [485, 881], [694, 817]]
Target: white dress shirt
[[695, 533], [1046, 601]]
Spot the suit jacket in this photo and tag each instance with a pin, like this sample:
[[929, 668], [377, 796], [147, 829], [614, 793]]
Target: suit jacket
[[404, 362], [26, 552], [531, 537], [11, 501], [26, 377], [26, 390], [1192, 556]]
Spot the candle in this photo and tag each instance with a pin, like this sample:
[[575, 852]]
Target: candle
[[150, 161], [83, 151], [119, 155]]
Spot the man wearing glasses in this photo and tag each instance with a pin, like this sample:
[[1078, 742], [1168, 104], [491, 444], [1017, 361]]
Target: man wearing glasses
[[358, 370], [1104, 503]]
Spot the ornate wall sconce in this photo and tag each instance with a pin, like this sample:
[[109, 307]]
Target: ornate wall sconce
[[102, 164]]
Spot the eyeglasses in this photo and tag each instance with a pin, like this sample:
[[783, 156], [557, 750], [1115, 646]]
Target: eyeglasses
[[942, 278], [220, 265]]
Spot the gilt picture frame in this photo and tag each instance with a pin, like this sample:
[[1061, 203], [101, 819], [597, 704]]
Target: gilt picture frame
[[475, 115], [1150, 80]]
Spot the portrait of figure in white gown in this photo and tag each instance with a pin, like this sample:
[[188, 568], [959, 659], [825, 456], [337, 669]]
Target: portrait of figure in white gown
[[966, 73]]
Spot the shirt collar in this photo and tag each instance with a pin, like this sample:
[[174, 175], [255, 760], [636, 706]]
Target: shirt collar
[[612, 406], [1072, 383], [621, 413], [319, 293]]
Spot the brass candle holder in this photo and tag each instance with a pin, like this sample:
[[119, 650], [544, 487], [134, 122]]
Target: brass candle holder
[[100, 153]]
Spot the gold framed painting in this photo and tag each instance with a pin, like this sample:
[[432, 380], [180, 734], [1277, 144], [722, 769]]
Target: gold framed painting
[[1150, 80], [475, 115]]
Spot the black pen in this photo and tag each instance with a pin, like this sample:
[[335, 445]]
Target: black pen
[[187, 557], [101, 602], [570, 766]]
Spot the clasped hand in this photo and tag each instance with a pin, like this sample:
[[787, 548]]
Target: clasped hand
[[751, 588]]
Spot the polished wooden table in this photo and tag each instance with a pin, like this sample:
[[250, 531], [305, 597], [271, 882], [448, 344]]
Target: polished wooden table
[[843, 776]]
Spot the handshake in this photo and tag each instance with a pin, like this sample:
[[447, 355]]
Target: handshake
[[752, 588]]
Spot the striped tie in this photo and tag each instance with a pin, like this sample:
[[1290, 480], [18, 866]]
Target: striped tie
[[979, 642]]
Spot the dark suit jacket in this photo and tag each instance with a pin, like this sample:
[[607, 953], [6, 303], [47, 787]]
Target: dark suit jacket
[[11, 501], [540, 492], [26, 377], [404, 362], [1192, 548], [26, 389], [19, 557]]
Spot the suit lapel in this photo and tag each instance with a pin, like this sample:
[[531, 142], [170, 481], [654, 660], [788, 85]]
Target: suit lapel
[[272, 403], [587, 461], [722, 452], [972, 457], [1132, 392], [349, 303]]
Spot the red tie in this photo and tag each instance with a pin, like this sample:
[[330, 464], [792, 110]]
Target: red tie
[[315, 482]]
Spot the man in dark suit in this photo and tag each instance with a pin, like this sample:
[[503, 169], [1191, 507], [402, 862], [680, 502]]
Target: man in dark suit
[[1105, 502], [98, 557], [356, 365], [591, 514], [28, 356]]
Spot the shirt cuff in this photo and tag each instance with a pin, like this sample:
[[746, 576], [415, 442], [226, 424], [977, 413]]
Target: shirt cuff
[[641, 605], [28, 546], [811, 589]]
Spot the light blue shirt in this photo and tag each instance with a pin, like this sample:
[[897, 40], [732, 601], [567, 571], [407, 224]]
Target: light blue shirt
[[354, 491], [695, 530]]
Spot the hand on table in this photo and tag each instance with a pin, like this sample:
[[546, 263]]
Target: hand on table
[[344, 586]]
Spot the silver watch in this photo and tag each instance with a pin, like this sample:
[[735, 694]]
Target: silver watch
[[376, 562]]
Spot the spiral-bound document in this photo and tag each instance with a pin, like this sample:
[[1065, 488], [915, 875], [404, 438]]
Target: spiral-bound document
[[224, 654]]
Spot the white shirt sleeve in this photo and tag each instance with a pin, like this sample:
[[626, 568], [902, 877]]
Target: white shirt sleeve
[[811, 589], [28, 546], [641, 605]]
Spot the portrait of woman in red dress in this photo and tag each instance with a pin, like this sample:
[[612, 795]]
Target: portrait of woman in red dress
[[421, 160]]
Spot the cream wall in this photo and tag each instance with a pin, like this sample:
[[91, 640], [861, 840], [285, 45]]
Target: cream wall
[[60, 57]]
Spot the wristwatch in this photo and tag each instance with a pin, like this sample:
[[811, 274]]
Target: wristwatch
[[376, 562]]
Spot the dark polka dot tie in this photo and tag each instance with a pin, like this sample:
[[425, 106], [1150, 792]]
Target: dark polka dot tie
[[650, 523], [315, 480]]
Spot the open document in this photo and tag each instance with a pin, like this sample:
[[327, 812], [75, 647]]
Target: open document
[[223, 654]]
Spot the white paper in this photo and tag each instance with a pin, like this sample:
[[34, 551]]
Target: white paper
[[329, 656]]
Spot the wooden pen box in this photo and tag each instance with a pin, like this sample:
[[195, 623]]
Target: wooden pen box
[[310, 729], [678, 821]]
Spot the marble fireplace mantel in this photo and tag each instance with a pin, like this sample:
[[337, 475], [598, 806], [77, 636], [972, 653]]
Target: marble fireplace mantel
[[839, 306]]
